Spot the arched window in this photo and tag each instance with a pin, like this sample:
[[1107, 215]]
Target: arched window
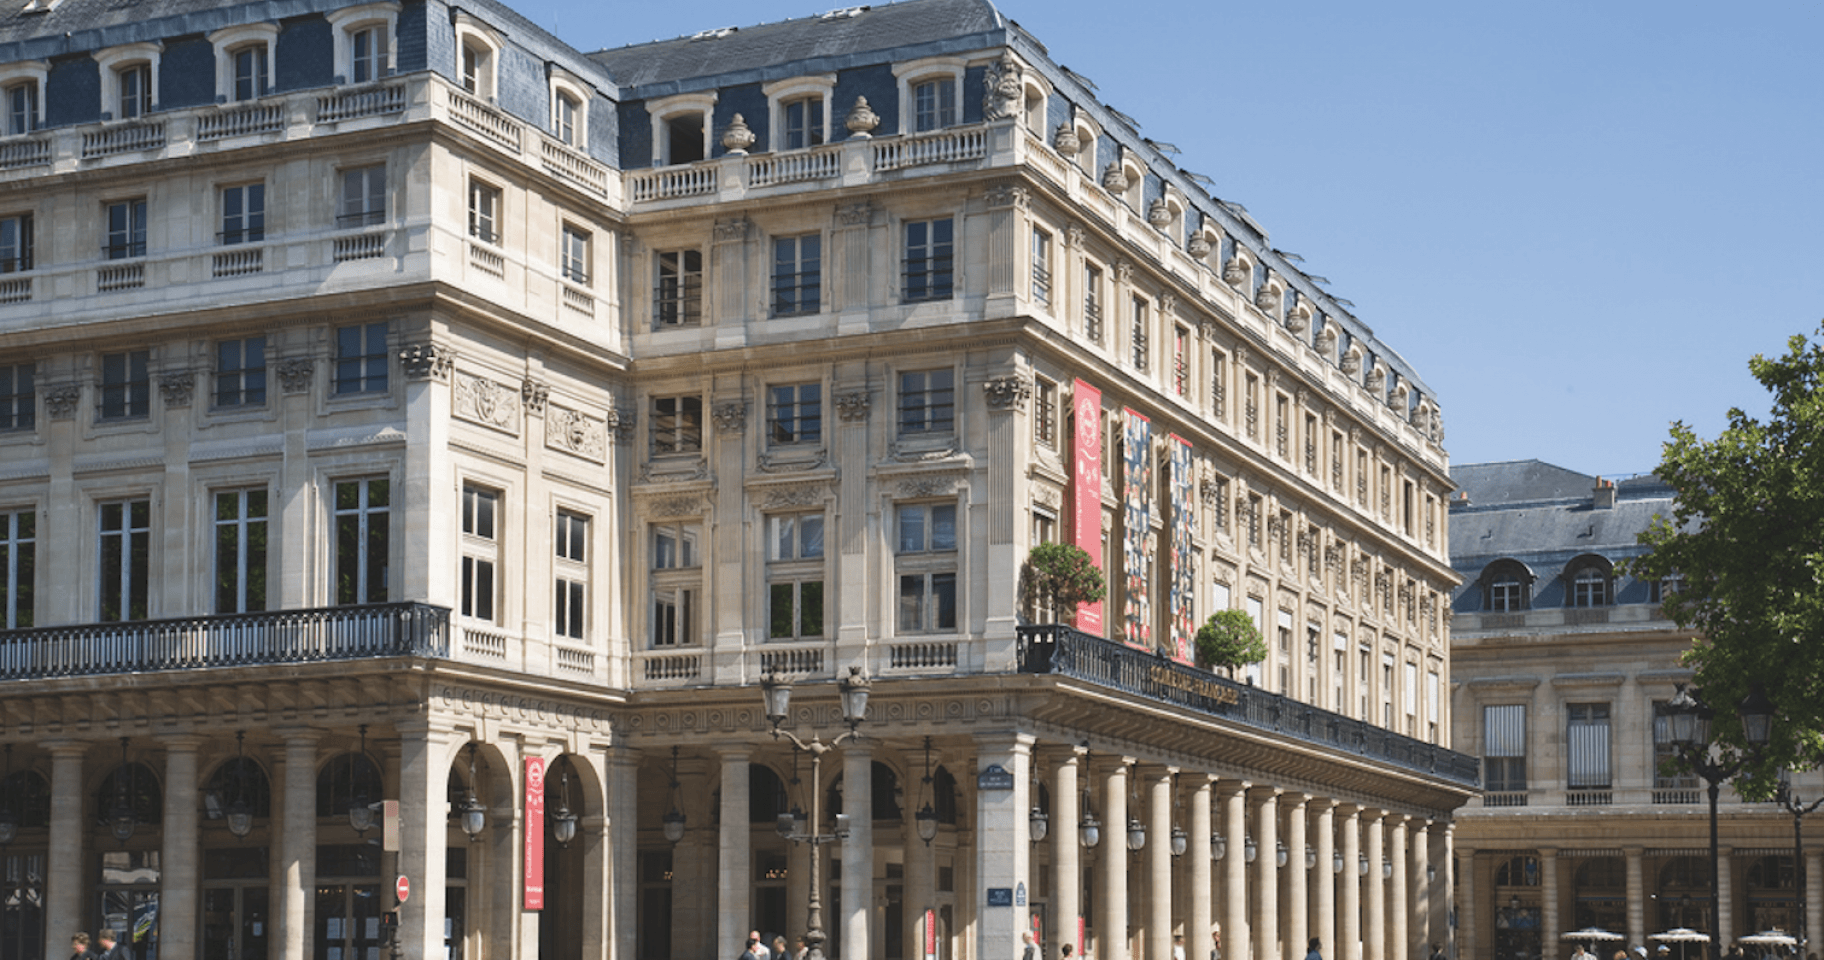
[[766, 794], [1507, 587], [1601, 873], [1772, 872], [29, 796], [135, 783], [1518, 872], [681, 127], [943, 795], [885, 793], [243, 780], [1589, 582], [343, 779]]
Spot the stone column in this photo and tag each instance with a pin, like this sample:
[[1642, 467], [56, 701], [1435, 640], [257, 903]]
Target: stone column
[[1725, 898], [63, 886], [1637, 895], [1159, 862], [921, 874], [597, 848], [424, 775], [624, 837], [1469, 907], [1297, 914], [1235, 871], [1111, 900], [1419, 869], [1548, 896], [735, 871], [179, 859], [1323, 878], [1066, 855], [1002, 851], [1814, 894], [298, 846], [1264, 931], [1349, 896], [1199, 913], [1442, 860], [1399, 928], [858, 850], [1374, 939]]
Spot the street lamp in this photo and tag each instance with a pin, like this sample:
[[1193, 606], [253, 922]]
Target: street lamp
[[240, 814], [926, 816], [777, 694], [563, 822], [471, 814], [1249, 850], [1219, 846], [1280, 853], [1688, 719], [673, 821]]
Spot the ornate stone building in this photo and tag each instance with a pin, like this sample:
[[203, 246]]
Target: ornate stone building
[[1561, 668], [419, 438]]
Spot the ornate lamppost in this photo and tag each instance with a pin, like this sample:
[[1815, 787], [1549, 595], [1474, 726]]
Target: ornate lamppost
[[778, 697], [1688, 718]]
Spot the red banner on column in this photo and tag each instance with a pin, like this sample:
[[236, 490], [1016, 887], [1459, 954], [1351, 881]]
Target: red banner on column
[[535, 834], [1086, 492]]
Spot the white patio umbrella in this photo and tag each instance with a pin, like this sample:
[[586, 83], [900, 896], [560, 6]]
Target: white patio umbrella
[[1593, 935], [1771, 938], [1681, 935]]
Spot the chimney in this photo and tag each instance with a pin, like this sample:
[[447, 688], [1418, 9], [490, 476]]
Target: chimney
[[1603, 497]]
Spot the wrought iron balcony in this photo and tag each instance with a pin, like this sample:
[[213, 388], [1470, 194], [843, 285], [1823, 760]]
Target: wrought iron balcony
[[1067, 652], [289, 636]]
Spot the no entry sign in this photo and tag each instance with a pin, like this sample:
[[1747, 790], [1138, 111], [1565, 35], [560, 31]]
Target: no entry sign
[[402, 888]]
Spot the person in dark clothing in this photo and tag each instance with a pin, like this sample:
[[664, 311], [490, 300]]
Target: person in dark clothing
[[1437, 952], [753, 951], [111, 948], [1314, 949], [79, 947]]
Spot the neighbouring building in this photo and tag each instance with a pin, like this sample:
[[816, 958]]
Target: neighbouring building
[[1561, 670], [421, 437]]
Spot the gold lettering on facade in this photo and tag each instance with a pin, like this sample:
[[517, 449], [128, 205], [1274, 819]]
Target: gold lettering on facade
[[1167, 677]]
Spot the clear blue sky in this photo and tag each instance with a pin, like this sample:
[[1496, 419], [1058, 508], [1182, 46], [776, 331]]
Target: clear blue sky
[[1578, 220]]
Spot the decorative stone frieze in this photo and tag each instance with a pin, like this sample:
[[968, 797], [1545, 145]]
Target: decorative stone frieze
[[919, 453], [486, 402], [683, 505], [426, 361], [1073, 234], [795, 462], [692, 470], [852, 406], [534, 395], [855, 214], [862, 119], [737, 137], [731, 229], [730, 416], [576, 433], [1064, 140], [1047, 495], [1007, 393], [1009, 195], [294, 374], [930, 485], [500, 705], [60, 401], [178, 388], [1005, 94], [794, 495]]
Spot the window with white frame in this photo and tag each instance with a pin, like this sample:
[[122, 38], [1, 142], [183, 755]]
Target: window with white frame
[[240, 372], [249, 71], [480, 552], [677, 577], [1587, 746], [363, 518], [797, 275], [1665, 775], [129, 79], [1504, 748], [677, 296], [1041, 266], [362, 199], [794, 414], [1590, 583], [477, 67], [1045, 413], [1409, 696], [125, 567], [22, 111], [930, 93], [928, 268], [576, 254], [1387, 661], [135, 91], [126, 236], [1138, 337], [16, 243], [677, 425], [681, 127], [933, 104], [1092, 302], [802, 122], [361, 358], [794, 576], [1181, 360], [570, 573], [1040, 608], [927, 402], [925, 562], [243, 61], [18, 568], [565, 112], [126, 386], [1433, 702], [1339, 669], [18, 396], [243, 213], [240, 550], [484, 211], [364, 41]]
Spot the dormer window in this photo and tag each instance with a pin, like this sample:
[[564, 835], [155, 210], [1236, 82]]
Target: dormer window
[[569, 109], [22, 107], [243, 61], [249, 72], [477, 57], [803, 123], [364, 41], [135, 91], [800, 111], [681, 126], [367, 47], [930, 94], [933, 104], [563, 120], [129, 80]]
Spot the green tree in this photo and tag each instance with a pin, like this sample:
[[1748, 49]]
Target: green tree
[[1058, 576], [1229, 639], [1747, 539]]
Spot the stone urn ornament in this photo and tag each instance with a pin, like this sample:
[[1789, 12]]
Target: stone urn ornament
[[1200, 246], [1159, 214], [862, 119], [737, 138], [1115, 178], [1064, 140]]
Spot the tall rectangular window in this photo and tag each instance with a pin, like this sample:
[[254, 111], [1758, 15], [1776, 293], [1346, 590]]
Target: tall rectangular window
[[244, 213], [480, 551], [18, 568], [249, 71], [926, 564], [570, 568], [126, 560], [473, 61], [362, 202], [240, 372], [794, 414], [1138, 336], [1092, 302], [484, 212], [1045, 413], [1041, 266], [361, 358], [677, 425], [1504, 748], [1339, 669], [677, 299], [933, 105], [803, 122], [126, 388], [797, 275], [576, 254], [22, 107], [1181, 361], [240, 551], [135, 91], [927, 401], [126, 229], [1664, 753], [1219, 384], [563, 120], [1587, 746], [928, 268], [1282, 426], [1250, 405], [18, 396], [367, 49], [677, 575], [794, 575], [363, 518], [16, 241]]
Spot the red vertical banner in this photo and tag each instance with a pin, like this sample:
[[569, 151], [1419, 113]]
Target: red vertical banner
[[930, 934], [1079, 936], [535, 833], [1086, 495]]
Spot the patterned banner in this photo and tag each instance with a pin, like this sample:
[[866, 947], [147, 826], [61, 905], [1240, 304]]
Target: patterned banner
[[1086, 493], [1137, 498], [1183, 586]]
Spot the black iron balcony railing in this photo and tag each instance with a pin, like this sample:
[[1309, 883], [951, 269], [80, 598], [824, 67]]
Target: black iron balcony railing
[[289, 636], [1068, 652]]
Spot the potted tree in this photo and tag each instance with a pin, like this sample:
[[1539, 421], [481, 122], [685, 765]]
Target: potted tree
[[1228, 640], [1056, 577]]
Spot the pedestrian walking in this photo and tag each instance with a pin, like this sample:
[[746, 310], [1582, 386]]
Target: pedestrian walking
[[1314, 950], [1031, 950], [112, 948], [79, 947], [753, 951]]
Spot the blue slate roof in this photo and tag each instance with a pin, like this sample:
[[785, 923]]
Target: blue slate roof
[[808, 43]]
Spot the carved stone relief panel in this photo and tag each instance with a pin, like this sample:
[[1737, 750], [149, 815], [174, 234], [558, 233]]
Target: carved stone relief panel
[[576, 433], [481, 400]]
